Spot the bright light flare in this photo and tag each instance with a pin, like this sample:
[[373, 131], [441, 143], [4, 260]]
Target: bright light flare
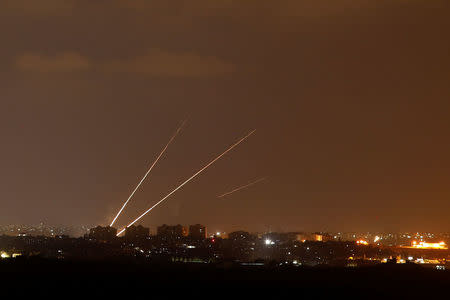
[[189, 179], [425, 245], [148, 172], [242, 187], [362, 242]]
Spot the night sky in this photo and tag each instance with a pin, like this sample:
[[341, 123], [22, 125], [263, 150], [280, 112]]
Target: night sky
[[350, 101]]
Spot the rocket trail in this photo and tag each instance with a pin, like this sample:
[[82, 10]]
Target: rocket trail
[[148, 172], [189, 179], [242, 187]]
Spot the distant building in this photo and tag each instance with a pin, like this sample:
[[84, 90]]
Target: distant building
[[104, 234], [171, 232], [136, 233], [316, 237], [239, 235], [197, 232]]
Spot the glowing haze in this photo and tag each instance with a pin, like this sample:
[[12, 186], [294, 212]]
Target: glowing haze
[[350, 98]]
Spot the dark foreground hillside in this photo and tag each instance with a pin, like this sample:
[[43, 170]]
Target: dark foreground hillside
[[33, 277]]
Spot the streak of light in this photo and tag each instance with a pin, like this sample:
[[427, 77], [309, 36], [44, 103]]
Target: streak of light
[[148, 172], [189, 179], [242, 187]]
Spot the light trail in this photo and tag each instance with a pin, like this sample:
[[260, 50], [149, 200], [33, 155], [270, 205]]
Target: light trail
[[242, 187], [148, 172], [189, 179]]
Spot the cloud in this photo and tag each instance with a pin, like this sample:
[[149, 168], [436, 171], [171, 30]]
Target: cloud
[[38, 7], [155, 62], [245, 9], [167, 64], [65, 62]]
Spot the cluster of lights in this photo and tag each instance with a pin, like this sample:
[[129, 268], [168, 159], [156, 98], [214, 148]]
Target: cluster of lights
[[362, 242], [4, 254], [424, 245], [411, 259]]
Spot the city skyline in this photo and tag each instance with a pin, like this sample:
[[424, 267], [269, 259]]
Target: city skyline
[[225, 148]]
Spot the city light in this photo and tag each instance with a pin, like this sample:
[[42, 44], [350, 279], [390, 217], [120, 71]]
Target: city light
[[241, 188], [362, 242], [425, 245], [269, 242], [4, 255]]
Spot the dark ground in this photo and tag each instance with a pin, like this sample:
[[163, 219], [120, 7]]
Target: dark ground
[[50, 278]]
